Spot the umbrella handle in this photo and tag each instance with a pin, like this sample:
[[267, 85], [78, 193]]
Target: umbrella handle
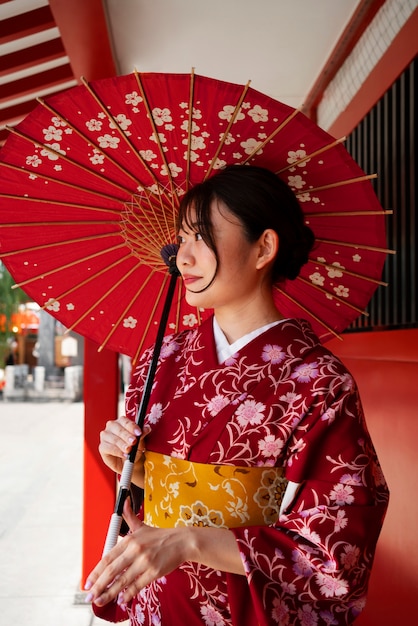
[[116, 519], [128, 466]]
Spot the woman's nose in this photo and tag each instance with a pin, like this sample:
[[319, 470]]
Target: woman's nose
[[184, 255]]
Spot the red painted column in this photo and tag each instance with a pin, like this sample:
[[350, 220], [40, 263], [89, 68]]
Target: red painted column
[[101, 395]]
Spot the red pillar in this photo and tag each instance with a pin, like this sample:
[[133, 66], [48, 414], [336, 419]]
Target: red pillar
[[101, 395]]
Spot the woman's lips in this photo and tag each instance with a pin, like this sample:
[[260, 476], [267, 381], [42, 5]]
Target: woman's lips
[[189, 279]]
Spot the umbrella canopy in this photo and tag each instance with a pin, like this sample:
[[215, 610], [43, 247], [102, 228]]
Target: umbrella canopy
[[91, 180]]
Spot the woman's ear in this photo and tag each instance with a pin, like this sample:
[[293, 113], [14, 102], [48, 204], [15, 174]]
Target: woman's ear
[[268, 246]]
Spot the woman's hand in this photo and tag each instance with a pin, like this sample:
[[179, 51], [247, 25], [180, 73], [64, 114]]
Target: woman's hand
[[144, 555], [148, 553], [116, 442]]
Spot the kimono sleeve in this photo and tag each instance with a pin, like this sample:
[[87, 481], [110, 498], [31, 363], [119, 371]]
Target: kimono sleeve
[[313, 565]]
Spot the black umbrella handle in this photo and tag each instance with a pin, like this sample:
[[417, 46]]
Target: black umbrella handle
[[128, 466]]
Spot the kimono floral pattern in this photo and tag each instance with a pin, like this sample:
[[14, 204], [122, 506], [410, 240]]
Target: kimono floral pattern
[[283, 401]]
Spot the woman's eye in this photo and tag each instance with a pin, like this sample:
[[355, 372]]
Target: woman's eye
[[198, 237]]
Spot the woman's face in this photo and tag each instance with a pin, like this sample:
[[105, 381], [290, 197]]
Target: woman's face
[[213, 285]]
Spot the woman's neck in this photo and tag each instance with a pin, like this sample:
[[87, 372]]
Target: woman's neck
[[235, 324]]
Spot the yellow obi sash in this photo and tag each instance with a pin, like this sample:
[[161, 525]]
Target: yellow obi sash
[[183, 493]]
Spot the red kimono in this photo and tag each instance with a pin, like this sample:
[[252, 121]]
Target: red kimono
[[283, 400]]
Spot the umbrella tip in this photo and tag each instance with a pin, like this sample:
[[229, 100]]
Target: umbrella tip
[[168, 255]]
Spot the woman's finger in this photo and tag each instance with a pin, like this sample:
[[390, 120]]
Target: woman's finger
[[131, 519]]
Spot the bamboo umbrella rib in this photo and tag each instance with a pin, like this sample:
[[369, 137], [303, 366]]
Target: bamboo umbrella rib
[[64, 183], [158, 223], [156, 134], [57, 243], [58, 223], [89, 140], [147, 240], [125, 138], [64, 157], [189, 129], [125, 311], [150, 316], [58, 203], [148, 251], [309, 313], [237, 109], [310, 156], [339, 183], [72, 264], [142, 223], [346, 213], [343, 270], [272, 135], [85, 281], [333, 296], [356, 246], [102, 297]]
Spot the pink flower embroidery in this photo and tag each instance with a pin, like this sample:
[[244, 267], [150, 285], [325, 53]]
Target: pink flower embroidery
[[307, 616], [169, 347], [211, 616], [331, 587], [270, 447], [216, 404], [303, 566], [342, 494], [350, 557], [250, 412], [280, 612], [155, 413], [272, 353], [305, 372]]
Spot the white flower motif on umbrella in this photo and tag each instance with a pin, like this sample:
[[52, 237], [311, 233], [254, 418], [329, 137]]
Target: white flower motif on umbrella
[[52, 133], [227, 113], [109, 141], [258, 114], [130, 322]]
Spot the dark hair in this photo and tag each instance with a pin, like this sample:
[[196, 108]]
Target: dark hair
[[260, 200]]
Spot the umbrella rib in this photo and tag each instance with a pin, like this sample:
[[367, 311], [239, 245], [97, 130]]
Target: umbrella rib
[[58, 223], [57, 243], [83, 283], [59, 181], [347, 213], [261, 145], [105, 295], [155, 224], [122, 134], [189, 128], [156, 137], [309, 313], [237, 109], [338, 183], [333, 296], [310, 156], [88, 140], [357, 246], [126, 309], [57, 203], [72, 264], [64, 157], [157, 299], [348, 272]]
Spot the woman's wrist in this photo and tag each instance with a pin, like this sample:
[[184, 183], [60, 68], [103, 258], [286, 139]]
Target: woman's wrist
[[215, 547]]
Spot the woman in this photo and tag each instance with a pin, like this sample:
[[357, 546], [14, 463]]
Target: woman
[[264, 498]]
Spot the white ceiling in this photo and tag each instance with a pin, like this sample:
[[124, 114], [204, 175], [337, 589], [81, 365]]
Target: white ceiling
[[280, 45]]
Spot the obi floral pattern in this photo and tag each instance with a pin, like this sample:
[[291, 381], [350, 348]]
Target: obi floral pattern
[[283, 401], [183, 493]]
